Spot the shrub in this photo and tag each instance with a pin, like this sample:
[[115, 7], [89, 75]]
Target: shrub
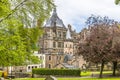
[[1, 73], [61, 72]]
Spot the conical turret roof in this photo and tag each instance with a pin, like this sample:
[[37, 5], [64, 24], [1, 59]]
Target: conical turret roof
[[54, 20]]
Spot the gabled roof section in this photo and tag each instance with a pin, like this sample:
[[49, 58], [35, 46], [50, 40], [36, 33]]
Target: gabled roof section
[[54, 20]]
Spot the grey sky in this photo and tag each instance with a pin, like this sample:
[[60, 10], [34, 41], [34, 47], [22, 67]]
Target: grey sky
[[75, 12]]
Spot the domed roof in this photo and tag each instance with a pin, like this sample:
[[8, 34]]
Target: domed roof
[[54, 21]]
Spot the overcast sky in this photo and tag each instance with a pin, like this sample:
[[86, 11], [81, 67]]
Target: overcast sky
[[75, 12]]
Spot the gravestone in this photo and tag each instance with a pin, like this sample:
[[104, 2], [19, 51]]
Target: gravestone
[[1, 78], [50, 78]]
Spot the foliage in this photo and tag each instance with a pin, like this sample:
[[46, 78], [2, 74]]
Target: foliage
[[1, 73], [100, 42], [19, 30], [117, 1], [94, 20], [62, 72]]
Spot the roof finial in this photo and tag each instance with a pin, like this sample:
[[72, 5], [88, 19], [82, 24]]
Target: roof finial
[[54, 11]]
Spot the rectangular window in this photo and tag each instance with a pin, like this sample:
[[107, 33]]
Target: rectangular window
[[54, 44], [28, 67], [40, 57], [59, 34], [64, 35], [59, 44], [66, 45]]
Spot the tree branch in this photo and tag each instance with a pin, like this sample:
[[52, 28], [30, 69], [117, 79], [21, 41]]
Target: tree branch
[[13, 11]]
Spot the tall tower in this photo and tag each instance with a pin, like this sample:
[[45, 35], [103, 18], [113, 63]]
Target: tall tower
[[52, 42]]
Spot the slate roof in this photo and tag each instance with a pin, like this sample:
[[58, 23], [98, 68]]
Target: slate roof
[[54, 20]]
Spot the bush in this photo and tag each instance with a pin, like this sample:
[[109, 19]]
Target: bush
[[61, 72], [1, 73]]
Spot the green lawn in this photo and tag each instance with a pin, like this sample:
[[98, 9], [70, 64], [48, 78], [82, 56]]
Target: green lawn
[[29, 79], [71, 79], [88, 73], [88, 79]]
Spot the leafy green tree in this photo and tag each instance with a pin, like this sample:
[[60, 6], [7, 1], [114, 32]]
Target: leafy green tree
[[117, 1], [19, 30]]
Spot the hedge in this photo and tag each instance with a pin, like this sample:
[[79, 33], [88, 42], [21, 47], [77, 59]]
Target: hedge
[[61, 72]]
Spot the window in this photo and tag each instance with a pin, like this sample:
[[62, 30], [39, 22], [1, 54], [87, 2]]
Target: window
[[60, 57], [49, 57], [59, 44], [42, 66], [40, 57], [54, 44], [45, 45], [32, 67], [64, 35], [49, 65], [57, 57], [70, 46], [59, 34], [66, 45], [28, 67], [70, 52], [48, 34], [43, 58], [35, 66]]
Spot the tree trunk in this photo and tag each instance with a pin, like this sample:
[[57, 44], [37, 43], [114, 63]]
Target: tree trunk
[[101, 69], [114, 68]]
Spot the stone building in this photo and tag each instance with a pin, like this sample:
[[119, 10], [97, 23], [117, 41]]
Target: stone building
[[59, 44]]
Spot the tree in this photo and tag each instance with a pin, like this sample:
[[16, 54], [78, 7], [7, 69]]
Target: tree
[[115, 48], [98, 46], [117, 2], [18, 30]]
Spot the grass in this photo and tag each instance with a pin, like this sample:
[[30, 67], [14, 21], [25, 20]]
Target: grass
[[69, 79], [88, 79], [104, 72], [88, 73], [29, 79]]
